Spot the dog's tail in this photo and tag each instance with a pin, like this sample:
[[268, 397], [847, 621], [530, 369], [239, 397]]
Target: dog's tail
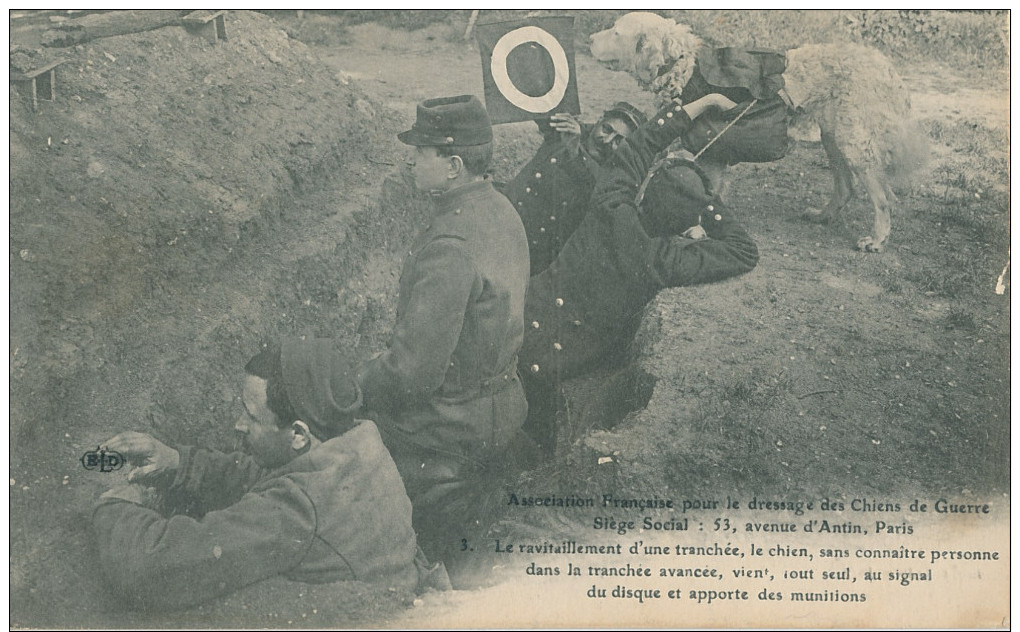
[[909, 154]]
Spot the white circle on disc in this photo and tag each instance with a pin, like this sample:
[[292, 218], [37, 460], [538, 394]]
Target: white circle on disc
[[501, 77]]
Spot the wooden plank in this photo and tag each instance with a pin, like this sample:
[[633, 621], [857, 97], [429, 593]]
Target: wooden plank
[[35, 72], [203, 16], [92, 27]]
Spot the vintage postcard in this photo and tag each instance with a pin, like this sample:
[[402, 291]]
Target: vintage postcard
[[507, 318]]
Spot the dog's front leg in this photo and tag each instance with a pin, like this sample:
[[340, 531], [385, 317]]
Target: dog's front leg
[[881, 199]]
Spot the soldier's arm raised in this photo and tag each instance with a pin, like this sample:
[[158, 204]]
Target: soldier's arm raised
[[673, 260]]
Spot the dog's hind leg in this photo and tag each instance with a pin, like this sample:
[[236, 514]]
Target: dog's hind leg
[[842, 180], [881, 198]]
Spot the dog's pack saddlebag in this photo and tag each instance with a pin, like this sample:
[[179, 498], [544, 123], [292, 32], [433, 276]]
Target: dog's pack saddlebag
[[741, 75]]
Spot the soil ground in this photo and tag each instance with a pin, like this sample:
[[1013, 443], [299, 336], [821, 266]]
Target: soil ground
[[181, 202]]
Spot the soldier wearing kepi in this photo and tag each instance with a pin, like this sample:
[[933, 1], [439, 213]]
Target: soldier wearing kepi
[[446, 394], [583, 310], [553, 190]]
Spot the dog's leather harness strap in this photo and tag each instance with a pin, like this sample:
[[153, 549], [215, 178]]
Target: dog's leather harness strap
[[672, 159], [785, 96], [663, 69]]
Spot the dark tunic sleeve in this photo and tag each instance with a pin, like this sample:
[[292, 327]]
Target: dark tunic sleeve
[[668, 260]]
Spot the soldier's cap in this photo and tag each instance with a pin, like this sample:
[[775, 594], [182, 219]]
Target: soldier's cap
[[321, 385], [627, 112], [459, 121], [677, 195]]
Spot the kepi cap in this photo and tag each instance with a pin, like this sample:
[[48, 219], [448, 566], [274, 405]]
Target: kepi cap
[[628, 112], [459, 121]]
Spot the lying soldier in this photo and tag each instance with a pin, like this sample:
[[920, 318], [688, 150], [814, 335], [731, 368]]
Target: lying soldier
[[553, 190], [583, 310], [318, 500]]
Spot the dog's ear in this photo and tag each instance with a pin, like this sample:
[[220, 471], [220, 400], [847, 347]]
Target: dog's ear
[[681, 43], [639, 45]]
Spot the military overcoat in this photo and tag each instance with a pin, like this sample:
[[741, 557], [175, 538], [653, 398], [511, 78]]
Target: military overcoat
[[589, 299], [447, 386], [337, 512]]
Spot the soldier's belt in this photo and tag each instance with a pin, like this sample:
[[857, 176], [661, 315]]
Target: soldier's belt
[[500, 380], [454, 393]]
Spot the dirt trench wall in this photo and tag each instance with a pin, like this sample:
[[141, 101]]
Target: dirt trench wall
[[160, 154], [162, 147]]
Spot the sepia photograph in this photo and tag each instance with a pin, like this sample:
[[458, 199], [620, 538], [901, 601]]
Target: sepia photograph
[[509, 318]]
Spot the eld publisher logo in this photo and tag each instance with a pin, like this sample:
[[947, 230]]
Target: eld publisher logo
[[102, 460]]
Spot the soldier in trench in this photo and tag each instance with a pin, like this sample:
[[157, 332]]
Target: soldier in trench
[[445, 393], [552, 194], [314, 497], [583, 310], [553, 190]]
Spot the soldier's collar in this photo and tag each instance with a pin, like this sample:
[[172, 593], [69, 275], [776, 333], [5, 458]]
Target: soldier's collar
[[455, 196]]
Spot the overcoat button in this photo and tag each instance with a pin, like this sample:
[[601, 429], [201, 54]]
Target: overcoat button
[[677, 108], [557, 346], [527, 189], [520, 204], [661, 122], [552, 160], [669, 115], [449, 140], [457, 212], [577, 323], [534, 324], [541, 229], [552, 218], [710, 208], [564, 203], [559, 302], [718, 217], [534, 368], [538, 176]]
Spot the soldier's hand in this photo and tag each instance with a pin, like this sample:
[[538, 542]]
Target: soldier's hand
[[131, 493], [152, 458], [569, 128], [695, 232]]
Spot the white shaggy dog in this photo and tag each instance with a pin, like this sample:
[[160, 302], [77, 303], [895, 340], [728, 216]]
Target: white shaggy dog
[[852, 92]]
